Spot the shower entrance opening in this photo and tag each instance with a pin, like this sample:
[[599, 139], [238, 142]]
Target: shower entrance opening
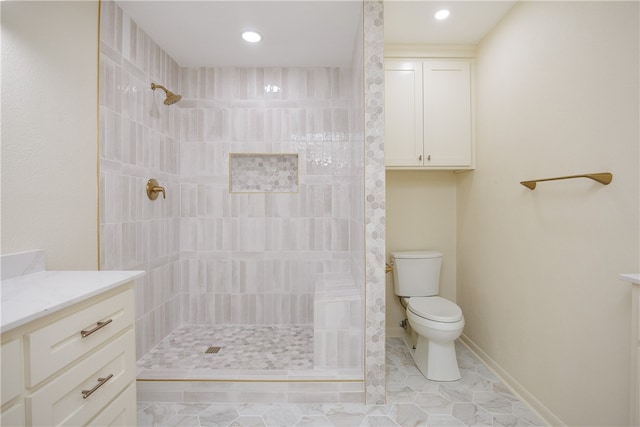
[[255, 254]]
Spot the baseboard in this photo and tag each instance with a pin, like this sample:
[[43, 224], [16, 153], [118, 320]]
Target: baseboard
[[514, 386]]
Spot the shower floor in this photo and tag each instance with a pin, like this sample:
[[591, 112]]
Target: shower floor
[[280, 350]]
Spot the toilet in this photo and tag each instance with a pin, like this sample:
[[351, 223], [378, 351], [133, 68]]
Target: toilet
[[436, 321]]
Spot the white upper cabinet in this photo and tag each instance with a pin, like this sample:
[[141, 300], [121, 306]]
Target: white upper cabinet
[[403, 112], [429, 117]]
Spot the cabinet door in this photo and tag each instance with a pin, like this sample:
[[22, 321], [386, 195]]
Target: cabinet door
[[447, 113], [403, 135], [13, 415], [12, 382]]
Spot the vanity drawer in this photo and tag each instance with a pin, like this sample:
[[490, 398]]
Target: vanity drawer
[[63, 401], [122, 412], [56, 345]]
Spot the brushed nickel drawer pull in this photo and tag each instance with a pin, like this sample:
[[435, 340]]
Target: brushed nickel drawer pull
[[101, 382], [98, 326]]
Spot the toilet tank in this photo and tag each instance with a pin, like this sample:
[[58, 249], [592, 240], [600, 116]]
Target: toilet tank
[[416, 273]]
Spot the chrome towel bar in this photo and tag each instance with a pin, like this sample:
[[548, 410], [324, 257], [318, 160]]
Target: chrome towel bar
[[603, 178]]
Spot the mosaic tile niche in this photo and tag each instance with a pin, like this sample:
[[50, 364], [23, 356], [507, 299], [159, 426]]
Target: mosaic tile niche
[[263, 173]]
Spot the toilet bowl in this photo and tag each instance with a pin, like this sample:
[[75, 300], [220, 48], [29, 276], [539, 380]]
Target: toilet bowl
[[438, 323]]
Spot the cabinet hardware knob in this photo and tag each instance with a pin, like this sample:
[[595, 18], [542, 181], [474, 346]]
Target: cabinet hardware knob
[[429, 157], [420, 157], [99, 325], [101, 382]]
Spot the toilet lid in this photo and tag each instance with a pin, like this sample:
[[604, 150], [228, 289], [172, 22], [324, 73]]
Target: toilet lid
[[435, 308], [416, 254]]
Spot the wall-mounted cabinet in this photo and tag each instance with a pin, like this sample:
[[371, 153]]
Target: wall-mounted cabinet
[[429, 114]]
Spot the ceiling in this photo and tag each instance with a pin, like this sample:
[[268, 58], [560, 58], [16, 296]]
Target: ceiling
[[208, 33], [411, 22], [299, 32]]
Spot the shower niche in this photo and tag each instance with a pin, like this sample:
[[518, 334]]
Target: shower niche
[[263, 173]]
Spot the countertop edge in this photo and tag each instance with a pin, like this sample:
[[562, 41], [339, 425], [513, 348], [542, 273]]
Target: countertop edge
[[631, 277], [122, 277]]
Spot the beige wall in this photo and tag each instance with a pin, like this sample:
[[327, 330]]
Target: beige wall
[[49, 131], [420, 214], [537, 270]]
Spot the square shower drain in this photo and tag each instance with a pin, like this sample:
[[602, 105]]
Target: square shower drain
[[212, 350]]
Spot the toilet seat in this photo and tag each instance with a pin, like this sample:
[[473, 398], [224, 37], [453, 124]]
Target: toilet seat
[[435, 308]]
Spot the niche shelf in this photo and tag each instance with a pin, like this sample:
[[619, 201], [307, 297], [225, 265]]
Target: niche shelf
[[263, 172]]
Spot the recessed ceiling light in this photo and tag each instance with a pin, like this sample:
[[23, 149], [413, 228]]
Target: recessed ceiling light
[[251, 36], [441, 14]]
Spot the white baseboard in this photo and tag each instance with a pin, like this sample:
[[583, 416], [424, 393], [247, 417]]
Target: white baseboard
[[514, 386]]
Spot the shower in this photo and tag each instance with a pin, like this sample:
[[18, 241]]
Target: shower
[[172, 98], [272, 274]]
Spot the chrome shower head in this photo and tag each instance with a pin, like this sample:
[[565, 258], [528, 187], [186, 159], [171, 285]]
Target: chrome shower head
[[171, 98]]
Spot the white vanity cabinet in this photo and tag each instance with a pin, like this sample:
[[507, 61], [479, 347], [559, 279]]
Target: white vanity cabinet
[[12, 383], [428, 114], [634, 413], [74, 363]]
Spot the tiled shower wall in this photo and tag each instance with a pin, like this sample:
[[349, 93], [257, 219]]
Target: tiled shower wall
[[253, 258], [139, 139]]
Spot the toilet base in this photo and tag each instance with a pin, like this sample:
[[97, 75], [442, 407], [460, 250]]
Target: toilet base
[[436, 360]]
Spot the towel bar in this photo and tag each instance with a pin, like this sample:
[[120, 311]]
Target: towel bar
[[603, 178]]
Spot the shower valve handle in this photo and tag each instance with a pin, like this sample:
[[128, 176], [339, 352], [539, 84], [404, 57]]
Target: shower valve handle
[[153, 189], [159, 189]]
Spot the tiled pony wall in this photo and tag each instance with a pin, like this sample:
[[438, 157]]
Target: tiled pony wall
[[211, 256]]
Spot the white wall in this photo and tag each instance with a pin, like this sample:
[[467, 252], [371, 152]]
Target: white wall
[[537, 270], [49, 131], [421, 215]]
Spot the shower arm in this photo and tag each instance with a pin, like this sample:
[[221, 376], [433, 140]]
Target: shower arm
[[155, 86]]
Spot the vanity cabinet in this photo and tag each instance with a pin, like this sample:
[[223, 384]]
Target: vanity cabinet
[[73, 367], [429, 114], [635, 354], [634, 410], [12, 383]]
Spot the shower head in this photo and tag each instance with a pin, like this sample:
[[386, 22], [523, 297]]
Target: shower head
[[172, 98]]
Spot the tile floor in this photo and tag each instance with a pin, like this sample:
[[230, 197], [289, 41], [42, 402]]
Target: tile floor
[[478, 399]]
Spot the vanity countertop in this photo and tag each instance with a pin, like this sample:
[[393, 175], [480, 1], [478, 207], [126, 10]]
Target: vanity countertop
[[29, 297], [633, 278]]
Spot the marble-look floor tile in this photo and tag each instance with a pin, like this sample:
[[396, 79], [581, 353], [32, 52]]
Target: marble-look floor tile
[[477, 399], [470, 414], [248, 421], [408, 415], [378, 421]]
